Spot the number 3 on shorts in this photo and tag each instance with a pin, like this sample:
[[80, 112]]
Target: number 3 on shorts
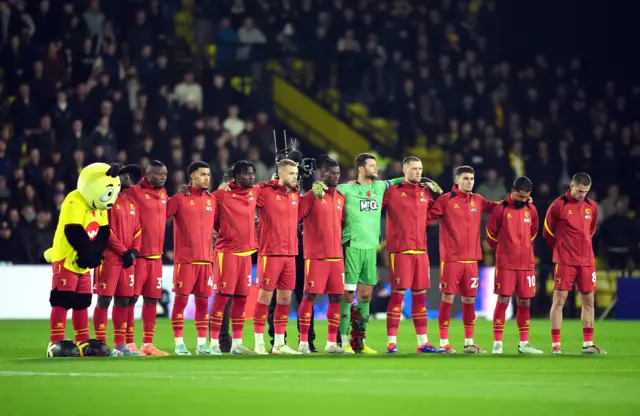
[[159, 280], [474, 283]]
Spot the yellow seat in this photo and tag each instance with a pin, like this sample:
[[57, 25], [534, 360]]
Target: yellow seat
[[212, 50], [358, 108]]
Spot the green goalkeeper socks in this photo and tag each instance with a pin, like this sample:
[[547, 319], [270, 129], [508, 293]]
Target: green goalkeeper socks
[[345, 317], [363, 310]]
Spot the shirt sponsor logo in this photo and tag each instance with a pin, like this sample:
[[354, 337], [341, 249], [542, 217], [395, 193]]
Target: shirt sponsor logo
[[368, 205]]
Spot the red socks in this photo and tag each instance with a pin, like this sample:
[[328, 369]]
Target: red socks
[[238, 305], [177, 315], [394, 313], [217, 314], [130, 335], [202, 317], [100, 318], [120, 318], [444, 317], [555, 336], [587, 334], [468, 319], [333, 321], [260, 317], [523, 319], [419, 313], [80, 319], [499, 316], [304, 318], [57, 323], [281, 318], [148, 322]]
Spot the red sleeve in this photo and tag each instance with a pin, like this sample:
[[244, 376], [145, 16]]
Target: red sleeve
[[550, 223], [262, 195], [114, 244], [172, 205], [437, 210], [594, 219], [385, 199], [306, 202], [218, 196], [494, 223], [535, 222], [137, 236], [488, 206]]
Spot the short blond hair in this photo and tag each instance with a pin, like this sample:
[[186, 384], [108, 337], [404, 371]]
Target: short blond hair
[[286, 162]]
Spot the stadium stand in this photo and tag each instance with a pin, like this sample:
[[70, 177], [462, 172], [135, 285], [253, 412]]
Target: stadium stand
[[179, 81]]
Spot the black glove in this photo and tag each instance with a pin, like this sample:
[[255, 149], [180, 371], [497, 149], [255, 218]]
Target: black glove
[[128, 257], [90, 262]]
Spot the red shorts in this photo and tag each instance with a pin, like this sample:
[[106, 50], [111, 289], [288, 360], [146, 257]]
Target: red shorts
[[323, 277], [276, 272], [232, 275], [522, 282], [67, 281], [148, 278], [583, 276], [409, 271], [459, 278], [112, 279], [193, 279]]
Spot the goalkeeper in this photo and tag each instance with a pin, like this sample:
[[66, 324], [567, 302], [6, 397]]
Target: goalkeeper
[[360, 239]]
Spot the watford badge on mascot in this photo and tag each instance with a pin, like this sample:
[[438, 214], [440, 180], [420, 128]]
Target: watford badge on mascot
[[78, 244]]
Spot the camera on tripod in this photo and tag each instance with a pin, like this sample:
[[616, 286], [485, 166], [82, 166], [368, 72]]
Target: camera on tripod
[[306, 165]]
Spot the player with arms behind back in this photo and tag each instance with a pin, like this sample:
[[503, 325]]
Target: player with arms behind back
[[407, 206], [511, 229], [277, 251], [193, 217], [236, 242], [568, 229], [151, 199], [323, 263], [460, 212], [115, 276]]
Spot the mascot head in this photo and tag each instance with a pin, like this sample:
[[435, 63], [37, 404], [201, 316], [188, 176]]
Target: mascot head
[[99, 183]]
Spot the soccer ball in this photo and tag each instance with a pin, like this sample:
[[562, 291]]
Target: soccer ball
[[93, 348], [64, 348]]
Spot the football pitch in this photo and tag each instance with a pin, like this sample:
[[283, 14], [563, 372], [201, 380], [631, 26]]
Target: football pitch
[[404, 384]]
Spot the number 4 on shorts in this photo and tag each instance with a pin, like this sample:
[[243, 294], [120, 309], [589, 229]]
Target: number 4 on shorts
[[210, 281]]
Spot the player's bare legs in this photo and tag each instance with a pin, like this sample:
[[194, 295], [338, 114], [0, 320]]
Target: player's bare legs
[[280, 321], [555, 316], [444, 320], [177, 324], [587, 317], [149, 307]]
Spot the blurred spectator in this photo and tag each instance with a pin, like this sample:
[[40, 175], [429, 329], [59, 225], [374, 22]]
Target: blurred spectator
[[493, 188], [12, 250], [618, 237]]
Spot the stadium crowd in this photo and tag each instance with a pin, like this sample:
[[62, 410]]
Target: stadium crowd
[[86, 81]]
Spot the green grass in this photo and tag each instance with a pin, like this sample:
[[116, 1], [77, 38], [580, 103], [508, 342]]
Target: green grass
[[406, 384]]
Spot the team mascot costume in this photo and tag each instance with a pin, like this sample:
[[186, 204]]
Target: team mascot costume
[[78, 244]]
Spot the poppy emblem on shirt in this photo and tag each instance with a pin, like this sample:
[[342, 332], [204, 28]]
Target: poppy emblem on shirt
[[192, 202], [368, 194]]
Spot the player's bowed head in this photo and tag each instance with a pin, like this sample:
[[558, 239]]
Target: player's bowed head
[[521, 191], [580, 186]]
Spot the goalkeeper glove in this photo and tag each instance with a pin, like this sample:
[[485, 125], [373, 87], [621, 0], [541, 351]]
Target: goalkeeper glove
[[432, 185], [318, 189]]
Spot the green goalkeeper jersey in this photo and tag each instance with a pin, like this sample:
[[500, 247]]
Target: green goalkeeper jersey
[[364, 211]]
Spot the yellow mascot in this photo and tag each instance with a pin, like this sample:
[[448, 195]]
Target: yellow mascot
[[78, 244]]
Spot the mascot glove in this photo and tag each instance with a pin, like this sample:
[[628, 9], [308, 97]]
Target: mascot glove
[[128, 257], [89, 263], [318, 189]]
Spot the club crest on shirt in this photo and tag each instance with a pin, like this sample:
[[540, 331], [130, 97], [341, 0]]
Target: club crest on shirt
[[209, 207], [473, 206], [587, 213], [132, 209]]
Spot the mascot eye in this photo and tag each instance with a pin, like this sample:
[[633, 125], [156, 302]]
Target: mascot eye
[[107, 195]]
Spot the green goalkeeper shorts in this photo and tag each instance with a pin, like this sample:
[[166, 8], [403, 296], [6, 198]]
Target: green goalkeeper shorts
[[359, 267]]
